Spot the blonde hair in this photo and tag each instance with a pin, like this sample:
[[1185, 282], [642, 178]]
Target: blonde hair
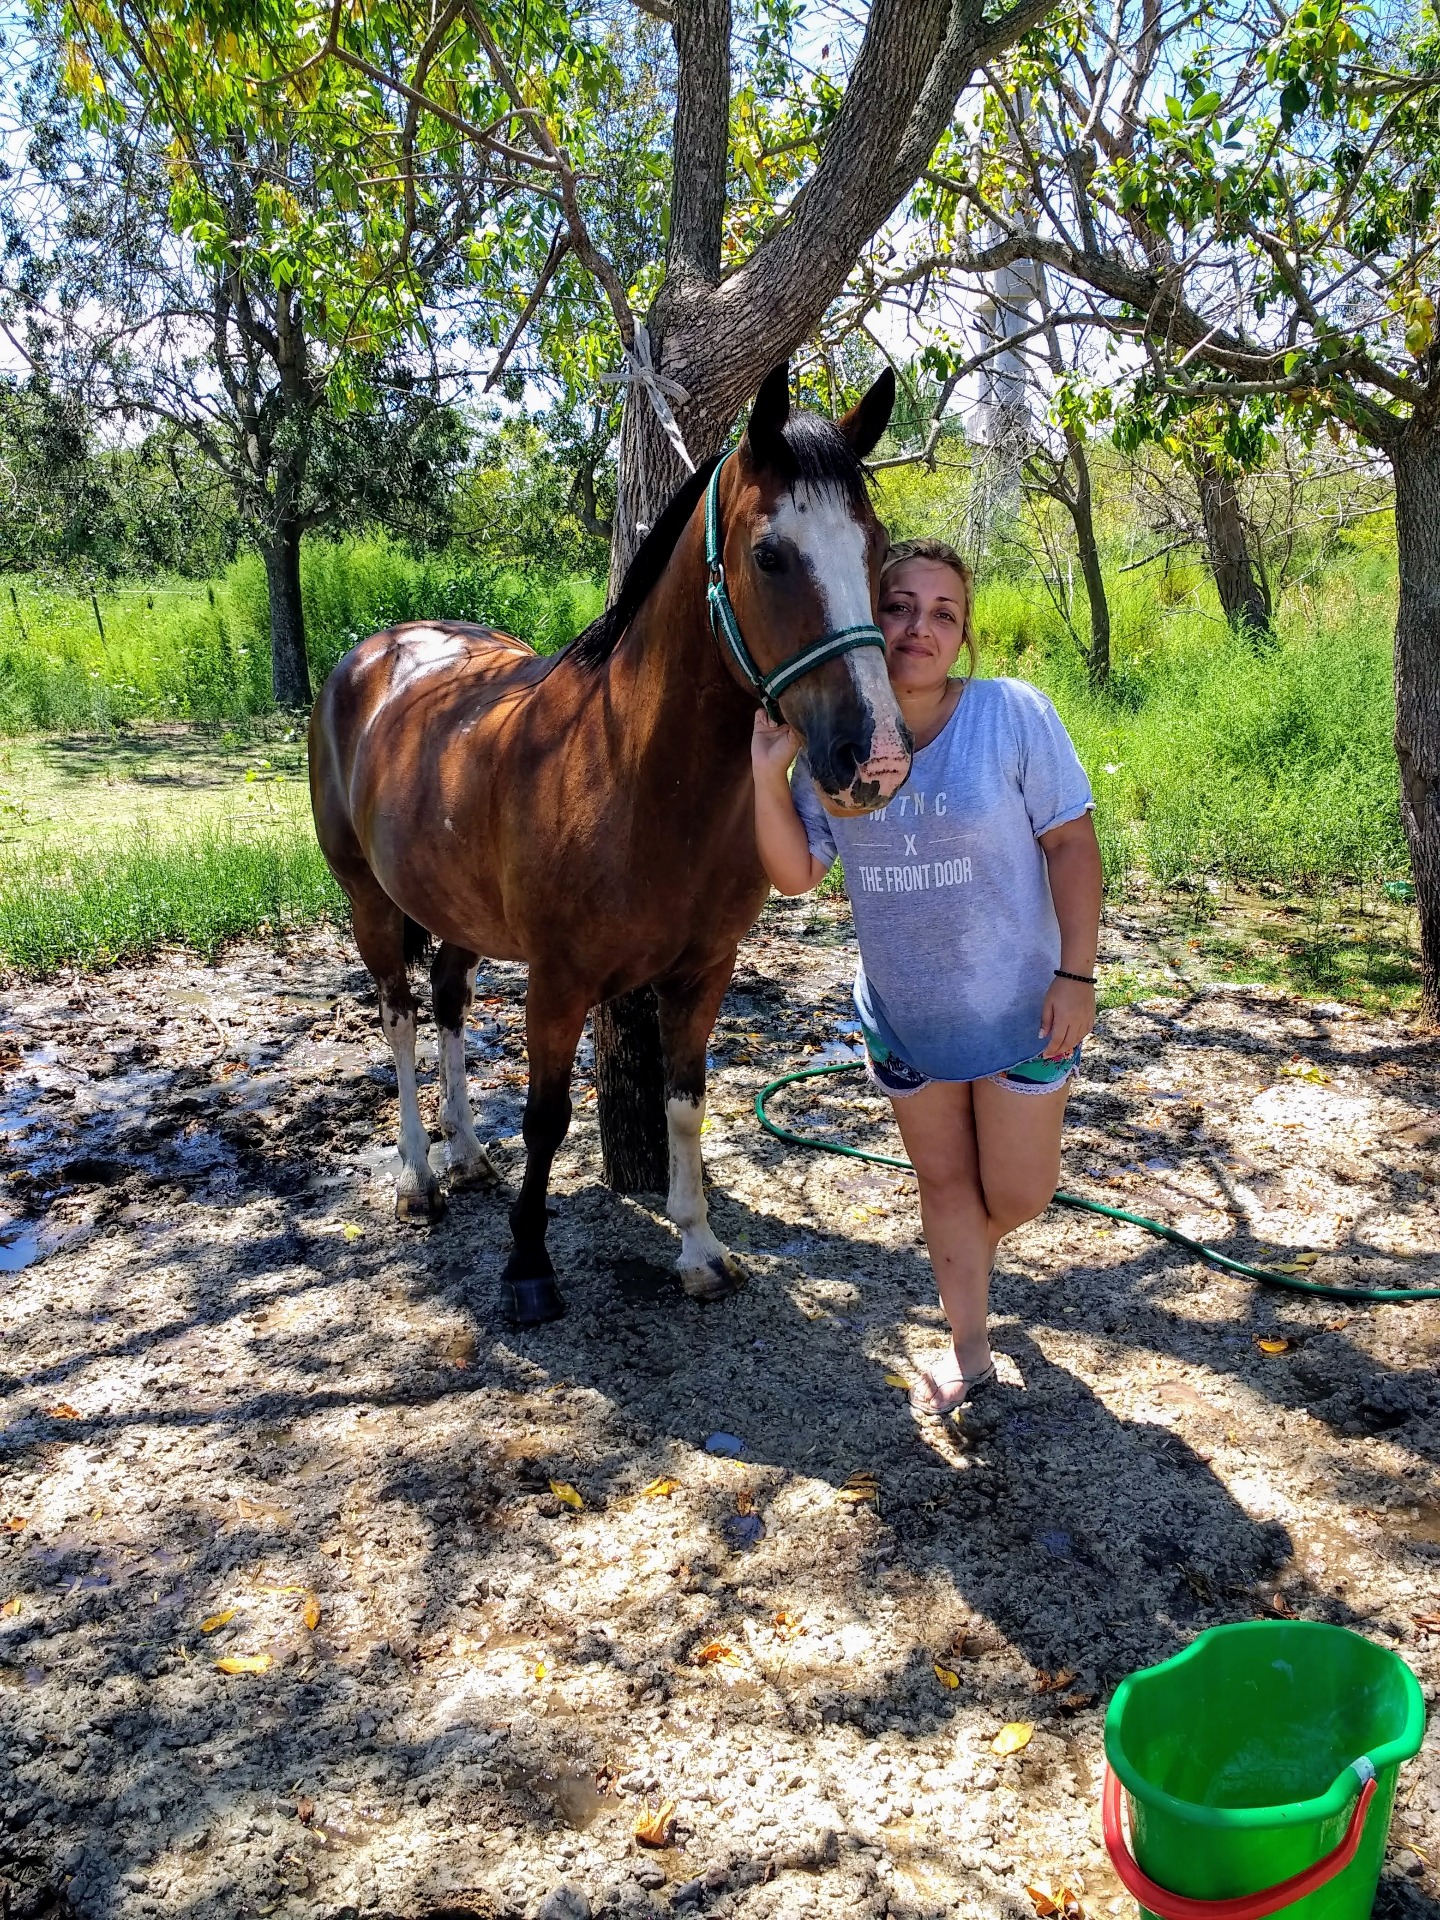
[[944, 556]]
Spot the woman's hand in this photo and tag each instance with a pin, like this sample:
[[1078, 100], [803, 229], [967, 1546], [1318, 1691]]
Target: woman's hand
[[773, 746], [1069, 1015]]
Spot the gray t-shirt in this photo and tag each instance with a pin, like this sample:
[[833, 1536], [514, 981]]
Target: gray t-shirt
[[956, 928]]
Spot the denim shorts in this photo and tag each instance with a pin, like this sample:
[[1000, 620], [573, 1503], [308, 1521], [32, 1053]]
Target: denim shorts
[[897, 1077]]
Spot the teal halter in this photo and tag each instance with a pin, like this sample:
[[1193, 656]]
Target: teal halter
[[726, 627]]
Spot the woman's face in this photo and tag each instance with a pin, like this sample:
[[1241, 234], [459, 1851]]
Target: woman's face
[[922, 616]]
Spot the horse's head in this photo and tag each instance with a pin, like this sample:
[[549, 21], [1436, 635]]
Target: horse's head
[[802, 551]]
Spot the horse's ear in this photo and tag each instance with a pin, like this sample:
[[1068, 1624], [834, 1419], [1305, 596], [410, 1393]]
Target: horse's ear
[[765, 429], [863, 425]]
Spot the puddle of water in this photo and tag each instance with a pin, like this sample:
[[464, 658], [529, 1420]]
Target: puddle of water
[[22, 1676], [1414, 1525], [242, 1509], [836, 1050], [570, 1792], [19, 1248]]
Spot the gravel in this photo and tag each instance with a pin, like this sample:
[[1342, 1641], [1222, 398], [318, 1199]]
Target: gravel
[[245, 1417]]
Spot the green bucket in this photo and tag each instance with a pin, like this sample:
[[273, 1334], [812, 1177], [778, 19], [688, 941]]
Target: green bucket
[[1259, 1769]]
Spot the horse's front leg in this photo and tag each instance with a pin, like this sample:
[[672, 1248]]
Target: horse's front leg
[[553, 1021], [687, 1014]]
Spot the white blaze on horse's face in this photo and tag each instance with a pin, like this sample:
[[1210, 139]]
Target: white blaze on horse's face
[[819, 523]]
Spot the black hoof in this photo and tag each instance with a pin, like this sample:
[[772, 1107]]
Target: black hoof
[[530, 1303]]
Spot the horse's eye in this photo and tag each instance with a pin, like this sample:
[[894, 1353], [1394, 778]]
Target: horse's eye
[[770, 559]]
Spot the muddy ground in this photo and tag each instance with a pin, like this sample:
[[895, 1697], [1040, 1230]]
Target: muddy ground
[[249, 1419]]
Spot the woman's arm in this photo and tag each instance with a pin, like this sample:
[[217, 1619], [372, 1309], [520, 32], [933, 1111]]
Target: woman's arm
[[779, 831], [1072, 854]]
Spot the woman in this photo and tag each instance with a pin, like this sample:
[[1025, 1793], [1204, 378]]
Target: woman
[[976, 898]]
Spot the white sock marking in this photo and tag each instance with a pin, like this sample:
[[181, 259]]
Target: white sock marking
[[414, 1141], [685, 1204]]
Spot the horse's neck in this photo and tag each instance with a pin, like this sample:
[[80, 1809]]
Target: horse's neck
[[688, 718]]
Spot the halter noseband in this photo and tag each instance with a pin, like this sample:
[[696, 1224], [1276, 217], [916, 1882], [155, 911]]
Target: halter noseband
[[726, 627]]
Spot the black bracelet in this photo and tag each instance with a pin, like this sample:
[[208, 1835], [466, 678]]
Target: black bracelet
[[1085, 979]]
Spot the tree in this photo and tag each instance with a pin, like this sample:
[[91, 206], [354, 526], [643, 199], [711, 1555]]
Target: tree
[[71, 503], [162, 266], [1259, 209], [772, 174]]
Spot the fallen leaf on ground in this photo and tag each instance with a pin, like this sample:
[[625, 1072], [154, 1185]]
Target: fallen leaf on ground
[[1280, 1608], [218, 1620], [305, 1809], [62, 1410], [1051, 1682], [1075, 1702], [660, 1489], [11, 1607], [860, 1487], [745, 1500], [352, 1231], [897, 1380], [787, 1625], [1298, 1069], [1426, 1622], [563, 1491], [1275, 1344], [655, 1829], [245, 1663], [1014, 1735], [1057, 1903], [311, 1615], [14, 1525], [716, 1654], [541, 1670], [947, 1676]]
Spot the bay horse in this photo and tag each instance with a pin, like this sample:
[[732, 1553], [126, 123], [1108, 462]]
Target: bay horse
[[591, 812]]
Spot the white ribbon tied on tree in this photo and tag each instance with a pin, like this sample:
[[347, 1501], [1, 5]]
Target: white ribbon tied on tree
[[640, 370]]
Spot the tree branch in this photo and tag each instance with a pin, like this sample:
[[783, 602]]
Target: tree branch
[[559, 247]]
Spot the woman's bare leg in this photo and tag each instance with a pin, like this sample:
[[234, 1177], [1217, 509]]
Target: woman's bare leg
[[987, 1159], [937, 1125]]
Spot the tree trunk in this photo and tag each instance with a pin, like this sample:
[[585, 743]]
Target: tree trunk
[[289, 666], [1244, 598], [629, 1075], [1416, 459], [1081, 505], [630, 1090]]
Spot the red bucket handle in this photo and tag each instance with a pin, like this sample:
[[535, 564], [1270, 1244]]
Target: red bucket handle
[[1245, 1906]]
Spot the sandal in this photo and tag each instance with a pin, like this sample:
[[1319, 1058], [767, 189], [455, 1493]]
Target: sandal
[[942, 1400]]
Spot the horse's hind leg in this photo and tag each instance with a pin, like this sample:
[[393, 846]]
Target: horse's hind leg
[[380, 935], [687, 1013], [452, 976]]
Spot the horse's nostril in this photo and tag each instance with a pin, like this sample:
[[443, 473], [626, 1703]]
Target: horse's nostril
[[838, 766]]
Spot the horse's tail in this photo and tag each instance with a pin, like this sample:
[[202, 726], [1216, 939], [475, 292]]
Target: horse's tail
[[419, 942]]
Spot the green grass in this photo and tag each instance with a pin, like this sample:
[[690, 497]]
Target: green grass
[[109, 902], [201, 652], [1227, 780]]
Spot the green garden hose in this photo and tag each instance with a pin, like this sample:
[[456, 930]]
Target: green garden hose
[[1266, 1275]]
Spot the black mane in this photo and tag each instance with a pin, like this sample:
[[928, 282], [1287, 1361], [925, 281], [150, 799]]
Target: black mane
[[814, 451], [594, 646]]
